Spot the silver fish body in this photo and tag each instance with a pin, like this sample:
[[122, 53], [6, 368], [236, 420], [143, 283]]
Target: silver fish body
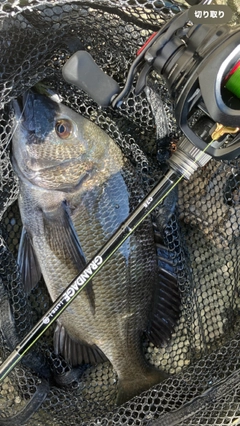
[[76, 188]]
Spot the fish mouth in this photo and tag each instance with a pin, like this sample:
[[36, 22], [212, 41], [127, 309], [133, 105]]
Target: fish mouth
[[41, 180]]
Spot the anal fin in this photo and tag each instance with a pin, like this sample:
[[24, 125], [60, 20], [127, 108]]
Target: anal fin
[[75, 352], [167, 301]]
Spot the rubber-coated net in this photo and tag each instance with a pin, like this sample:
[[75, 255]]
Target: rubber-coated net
[[202, 235]]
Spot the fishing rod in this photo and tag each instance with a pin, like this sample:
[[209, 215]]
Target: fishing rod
[[155, 197], [201, 66], [149, 203]]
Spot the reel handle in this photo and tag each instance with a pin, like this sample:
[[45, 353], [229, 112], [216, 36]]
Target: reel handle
[[82, 71]]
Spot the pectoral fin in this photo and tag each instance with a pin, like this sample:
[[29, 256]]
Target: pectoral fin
[[28, 263], [63, 241], [75, 352]]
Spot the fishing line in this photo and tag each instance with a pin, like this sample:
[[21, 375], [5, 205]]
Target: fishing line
[[149, 203], [18, 120]]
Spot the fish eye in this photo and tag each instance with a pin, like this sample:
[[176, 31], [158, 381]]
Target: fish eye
[[63, 128]]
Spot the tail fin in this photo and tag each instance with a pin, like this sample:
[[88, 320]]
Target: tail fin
[[133, 386]]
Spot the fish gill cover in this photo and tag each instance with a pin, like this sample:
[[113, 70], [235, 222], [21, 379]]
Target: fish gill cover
[[198, 227]]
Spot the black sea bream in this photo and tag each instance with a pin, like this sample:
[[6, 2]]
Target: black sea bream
[[76, 188]]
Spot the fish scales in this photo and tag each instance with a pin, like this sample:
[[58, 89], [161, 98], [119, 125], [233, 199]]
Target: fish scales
[[72, 198]]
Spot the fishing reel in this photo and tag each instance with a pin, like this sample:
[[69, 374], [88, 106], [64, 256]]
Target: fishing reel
[[201, 66]]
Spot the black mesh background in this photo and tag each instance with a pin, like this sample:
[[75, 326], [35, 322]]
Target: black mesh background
[[36, 39]]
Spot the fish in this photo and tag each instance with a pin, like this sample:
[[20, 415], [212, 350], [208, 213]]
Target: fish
[[75, 189]]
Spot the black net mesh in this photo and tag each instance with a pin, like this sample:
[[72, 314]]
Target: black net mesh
[[202, 235]]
